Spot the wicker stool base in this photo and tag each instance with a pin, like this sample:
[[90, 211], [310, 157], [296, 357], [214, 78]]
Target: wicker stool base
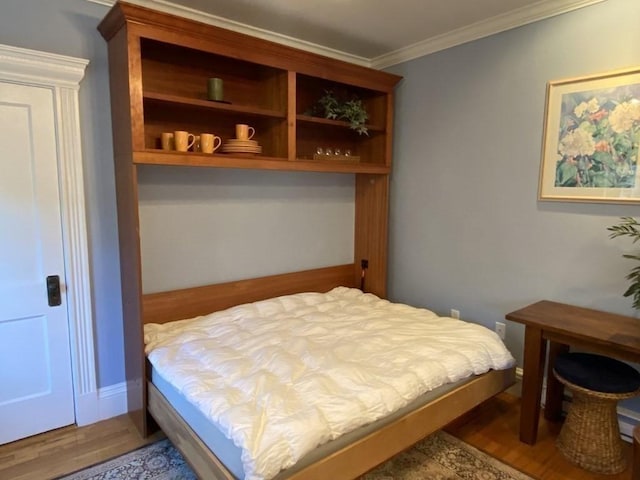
[[590, 436]]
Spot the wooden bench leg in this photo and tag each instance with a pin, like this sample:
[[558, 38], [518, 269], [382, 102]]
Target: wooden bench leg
[[635, 463]]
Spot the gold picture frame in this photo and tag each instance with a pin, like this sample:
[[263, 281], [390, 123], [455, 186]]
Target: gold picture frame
[[590, 139]]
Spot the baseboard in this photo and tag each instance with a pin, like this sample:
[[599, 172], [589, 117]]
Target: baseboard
[[86, 406], [112, 400], [627, 419], [106, 403]]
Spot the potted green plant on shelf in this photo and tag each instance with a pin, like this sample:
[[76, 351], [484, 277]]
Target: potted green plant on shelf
[[629, 226], [351, 110]]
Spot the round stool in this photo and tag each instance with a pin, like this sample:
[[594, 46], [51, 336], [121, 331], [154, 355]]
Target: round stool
[[590, 436]]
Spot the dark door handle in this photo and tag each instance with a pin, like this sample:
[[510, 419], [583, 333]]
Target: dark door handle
[[53, 290]]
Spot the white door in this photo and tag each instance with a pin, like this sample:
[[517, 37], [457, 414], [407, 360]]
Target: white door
[[36, 392]]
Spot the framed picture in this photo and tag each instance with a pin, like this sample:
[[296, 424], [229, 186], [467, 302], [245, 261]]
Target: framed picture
[[590, 139]]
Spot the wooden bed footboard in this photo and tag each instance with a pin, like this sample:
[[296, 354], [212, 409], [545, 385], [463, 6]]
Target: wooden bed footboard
[[354, 459]]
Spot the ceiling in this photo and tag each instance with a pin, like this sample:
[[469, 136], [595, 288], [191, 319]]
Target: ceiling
[[375, 33]]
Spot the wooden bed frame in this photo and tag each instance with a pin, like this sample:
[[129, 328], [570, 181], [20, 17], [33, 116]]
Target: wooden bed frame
[[350, 461]]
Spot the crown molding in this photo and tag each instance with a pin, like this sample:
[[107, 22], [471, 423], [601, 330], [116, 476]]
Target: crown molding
[[500, 23], [33, 66], [199, 16]]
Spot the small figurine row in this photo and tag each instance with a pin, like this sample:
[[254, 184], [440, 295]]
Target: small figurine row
[[182, 141], [333, 151]]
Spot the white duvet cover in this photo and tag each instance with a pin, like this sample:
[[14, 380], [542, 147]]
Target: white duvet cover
[[281, 376]]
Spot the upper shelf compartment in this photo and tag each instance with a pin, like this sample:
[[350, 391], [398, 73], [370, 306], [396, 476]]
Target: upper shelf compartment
[[175, 97], [309, 91], [366, 141], [182, 73], [160, 66]]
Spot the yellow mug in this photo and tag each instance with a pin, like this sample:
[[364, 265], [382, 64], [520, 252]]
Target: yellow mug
[[166, 140], [244, 132], [209, 142], [183, 140]]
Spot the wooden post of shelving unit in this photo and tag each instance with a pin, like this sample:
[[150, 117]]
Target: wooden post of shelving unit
[[291, 116], [371, 230], [124, 58]]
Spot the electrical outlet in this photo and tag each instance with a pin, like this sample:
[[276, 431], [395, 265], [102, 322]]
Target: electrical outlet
[[501, 329], [455, 313]]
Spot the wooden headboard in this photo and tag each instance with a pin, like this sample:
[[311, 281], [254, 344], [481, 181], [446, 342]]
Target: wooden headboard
[[190, 302]]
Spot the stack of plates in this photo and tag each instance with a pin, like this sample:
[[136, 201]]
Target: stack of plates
[[241, 146]]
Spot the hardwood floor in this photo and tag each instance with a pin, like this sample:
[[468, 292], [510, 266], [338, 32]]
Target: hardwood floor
[[68, 449], [492, 427]]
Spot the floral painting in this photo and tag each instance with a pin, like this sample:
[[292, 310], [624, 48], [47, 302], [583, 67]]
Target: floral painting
[[592, 133]]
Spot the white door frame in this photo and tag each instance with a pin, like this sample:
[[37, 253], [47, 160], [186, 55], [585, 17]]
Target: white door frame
[[62, 75]]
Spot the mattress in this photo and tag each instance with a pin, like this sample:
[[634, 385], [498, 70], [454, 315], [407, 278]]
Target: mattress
[[282, 376], [230, 454]]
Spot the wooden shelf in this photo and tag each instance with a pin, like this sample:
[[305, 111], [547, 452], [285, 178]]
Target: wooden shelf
[[220, 106], [258, 162], [334, 123]]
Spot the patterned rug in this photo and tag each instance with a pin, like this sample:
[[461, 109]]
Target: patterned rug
[[438, 457]]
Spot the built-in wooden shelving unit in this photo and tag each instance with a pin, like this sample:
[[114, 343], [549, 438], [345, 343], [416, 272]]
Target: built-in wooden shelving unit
[[159, 67]]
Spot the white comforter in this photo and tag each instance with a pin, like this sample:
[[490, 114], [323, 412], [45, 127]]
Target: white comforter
[[281, 376]]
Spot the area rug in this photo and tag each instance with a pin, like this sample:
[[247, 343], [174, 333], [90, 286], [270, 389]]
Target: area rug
[[438, 457]]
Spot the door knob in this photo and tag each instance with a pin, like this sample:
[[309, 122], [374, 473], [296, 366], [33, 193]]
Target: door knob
[[53, 290]]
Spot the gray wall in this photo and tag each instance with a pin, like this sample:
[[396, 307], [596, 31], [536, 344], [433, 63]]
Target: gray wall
[[222, 225], [467, 230]]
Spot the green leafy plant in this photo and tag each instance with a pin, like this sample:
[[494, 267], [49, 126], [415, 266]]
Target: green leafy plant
[[352, 111], [630, 227]]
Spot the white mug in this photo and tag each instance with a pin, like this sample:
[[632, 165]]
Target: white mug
[[209, 142], [183, 140]]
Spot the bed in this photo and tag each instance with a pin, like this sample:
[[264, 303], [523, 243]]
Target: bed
[[343, 445]]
